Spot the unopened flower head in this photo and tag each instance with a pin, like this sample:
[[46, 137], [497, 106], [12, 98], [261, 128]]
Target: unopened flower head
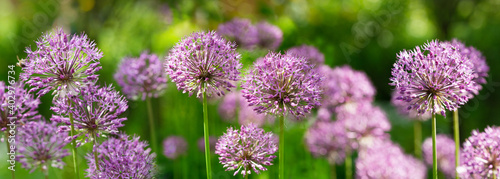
[[17, 105], [311, 53], [436, 78], [270, 36], [204, 62], [174, 146], [40, 146], [410, 114], [241, 31], [141, 77], [122, 157], [247, 150], [480, 68], [481, 154], [96, 112], [234, 106], [62, 63], [212, 140], [445, 148], [281, 84], [326, 139]]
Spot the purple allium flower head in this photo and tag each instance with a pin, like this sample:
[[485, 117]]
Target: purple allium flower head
[[96, 111], [122, 157], [481, 154], [241, 31], [445, 154], [480, 69], [40, 145], [410, 114], [344, 85], [234, 105], [201, 143], [141, 77], [174, 146], [61, 62], [387, 160], [280, 84], [204, 62], [435, 78], [246, 150], [270, 36], [326, 139], [311, 53], [25, 105]]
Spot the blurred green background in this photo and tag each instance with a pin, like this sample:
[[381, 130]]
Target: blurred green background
[[365, 34]]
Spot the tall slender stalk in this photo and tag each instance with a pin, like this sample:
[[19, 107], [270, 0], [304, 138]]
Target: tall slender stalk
[[348, 163], [73, 142], [434, 157], [333, 171], [207, 142], [152, 131], [457, 141], [417, 138], [8, 151], [282, 147], [95, 153]]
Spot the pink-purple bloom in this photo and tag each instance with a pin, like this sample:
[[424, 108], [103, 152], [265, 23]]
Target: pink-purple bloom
[[241, 31], [62, 63], [16, 104], [270, 36], [142, 77], [204, 62], [445, 148], [174, 146], [410, 114], [234, 106], [311, 53], [122, 157], [433, 78], [39, 145], [326, 139], [247, 150], [212, 140], [481, 154], [96, 112], [281, 84], [480, 68]]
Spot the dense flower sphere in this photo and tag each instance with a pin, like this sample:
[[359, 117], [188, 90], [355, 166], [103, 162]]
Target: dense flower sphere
[[270, 36], [39, 145], [174, 146], [282, 83], [234, 106], [241, 31], [481, 154], [445, 148], [17, 105], [326, 139], [204, 62], [61, 62], [122, 157], [96, 112], [141, 77], [246, 150], [387, 160], [480, 68], [410, 114], [311, 53], [435, 78]]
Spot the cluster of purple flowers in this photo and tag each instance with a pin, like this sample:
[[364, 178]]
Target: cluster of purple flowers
[[25, 106], [247, 36], [481, 154]]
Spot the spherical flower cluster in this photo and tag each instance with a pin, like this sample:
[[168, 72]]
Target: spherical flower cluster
[[19, 105], [246, 150], [344, 85], [62, 63], [141, 77], [234, 106], [96, 112], [436, 78], [325, 139], [387, 160], [311, 53], [122, 157], [212, 140], [204, 62], [174, 146], [280, 84], [241, 31], [40, 146], [410, 114], [445, 154], [480, 68], [270, 36], [481, 154]]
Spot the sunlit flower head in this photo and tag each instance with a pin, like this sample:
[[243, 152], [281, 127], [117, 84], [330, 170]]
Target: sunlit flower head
[[480, 68], [481, 154], [17, 105]]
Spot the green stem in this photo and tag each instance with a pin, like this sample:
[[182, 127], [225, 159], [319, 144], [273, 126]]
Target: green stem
[[73, 142], [207, 142], [151, 124], [246, 176], [282, 147], [333, 171], [417, 132], [434, 157], [7, 135], [95, 153], [348, 164], [457, 141]]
